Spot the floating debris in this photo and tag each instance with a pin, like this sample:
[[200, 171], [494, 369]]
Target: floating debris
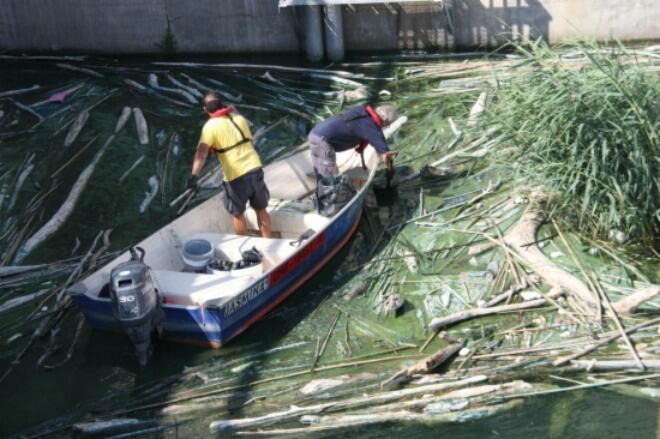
[[152, 80], [131, 169], [76, 127], [149, 196], [18, 301], [141, 126], [161, 137], [392, 304], [80, 70], [65, 210], [322, 384]]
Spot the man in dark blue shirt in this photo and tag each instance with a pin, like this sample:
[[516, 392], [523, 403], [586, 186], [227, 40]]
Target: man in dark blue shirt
[[356, 128]]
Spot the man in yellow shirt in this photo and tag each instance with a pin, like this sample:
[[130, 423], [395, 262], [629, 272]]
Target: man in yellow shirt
[[228, 136]]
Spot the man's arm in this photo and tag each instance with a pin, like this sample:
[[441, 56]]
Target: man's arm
[[200, 158], [376, 138]]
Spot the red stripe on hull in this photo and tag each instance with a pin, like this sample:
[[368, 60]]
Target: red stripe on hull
[[300, 281]]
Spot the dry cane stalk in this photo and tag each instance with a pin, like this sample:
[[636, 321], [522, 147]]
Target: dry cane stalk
[[605, 341]]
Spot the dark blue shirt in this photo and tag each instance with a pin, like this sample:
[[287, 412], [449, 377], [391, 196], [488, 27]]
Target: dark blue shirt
[[348, 129]]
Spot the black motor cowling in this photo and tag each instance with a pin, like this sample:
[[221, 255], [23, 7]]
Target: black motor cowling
[[135, 302]]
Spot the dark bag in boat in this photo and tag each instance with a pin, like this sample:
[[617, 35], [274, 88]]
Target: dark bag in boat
[[221, 265], [250, 257], [333, 193]]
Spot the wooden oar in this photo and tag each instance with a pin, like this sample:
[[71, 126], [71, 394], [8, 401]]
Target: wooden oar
[[187, 192]]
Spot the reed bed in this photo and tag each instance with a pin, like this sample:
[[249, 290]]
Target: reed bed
[[588, 133]]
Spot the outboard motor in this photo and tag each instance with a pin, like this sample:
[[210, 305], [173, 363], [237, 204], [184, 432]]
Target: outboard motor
[[135, 302]]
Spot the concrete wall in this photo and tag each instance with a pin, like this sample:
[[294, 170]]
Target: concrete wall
[[251, 26], [487, 23], [133, 26]]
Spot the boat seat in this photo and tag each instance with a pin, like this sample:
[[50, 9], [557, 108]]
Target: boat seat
[[195, 289], [232, 246], [292, 178], [198, 288], [290, 218]]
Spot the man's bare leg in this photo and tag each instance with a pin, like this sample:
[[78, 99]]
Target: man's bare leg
[[240, 225], [263, 220]]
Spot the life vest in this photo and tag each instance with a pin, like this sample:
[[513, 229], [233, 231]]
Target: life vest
[[370, 113], [226, 112]]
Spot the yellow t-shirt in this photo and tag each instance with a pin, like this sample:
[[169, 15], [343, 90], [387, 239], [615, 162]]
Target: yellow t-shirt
[[220, 133]]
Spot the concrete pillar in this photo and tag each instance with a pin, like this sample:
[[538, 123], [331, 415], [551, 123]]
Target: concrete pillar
[[334, 33], [313, 33]]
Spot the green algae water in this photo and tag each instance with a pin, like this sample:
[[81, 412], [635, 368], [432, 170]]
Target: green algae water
[[102, 377]]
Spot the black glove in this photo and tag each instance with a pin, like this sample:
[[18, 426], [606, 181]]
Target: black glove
[[193, 183]]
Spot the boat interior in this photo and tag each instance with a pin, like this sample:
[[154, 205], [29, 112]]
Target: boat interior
[[291, 182]]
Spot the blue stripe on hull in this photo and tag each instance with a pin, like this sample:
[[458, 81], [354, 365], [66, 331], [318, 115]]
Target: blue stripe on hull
[[210, 326]]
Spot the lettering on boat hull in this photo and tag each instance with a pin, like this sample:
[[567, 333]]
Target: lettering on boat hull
[[246, 297]]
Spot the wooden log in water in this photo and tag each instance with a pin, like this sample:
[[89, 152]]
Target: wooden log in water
[[121, 122], [330, 423], [141, 125], [477, 109], [517, 242], [149, 196], [228, 96], [578, 387], [20, 300], [629, 304], [111, 426], [193, 91], [148, 91], [131, 169], [27, 109], [196, 83], [610, 365], [514, 289], [65, 210], [79, 70], [22, 177], [182, 409], [18, 91], [234, 424], [441, 322], [75, 129], [426, 365], [152, 80], [13, 270], [604, 342], [452, 401]]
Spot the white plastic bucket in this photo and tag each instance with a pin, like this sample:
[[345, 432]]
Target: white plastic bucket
[[197, 253]]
